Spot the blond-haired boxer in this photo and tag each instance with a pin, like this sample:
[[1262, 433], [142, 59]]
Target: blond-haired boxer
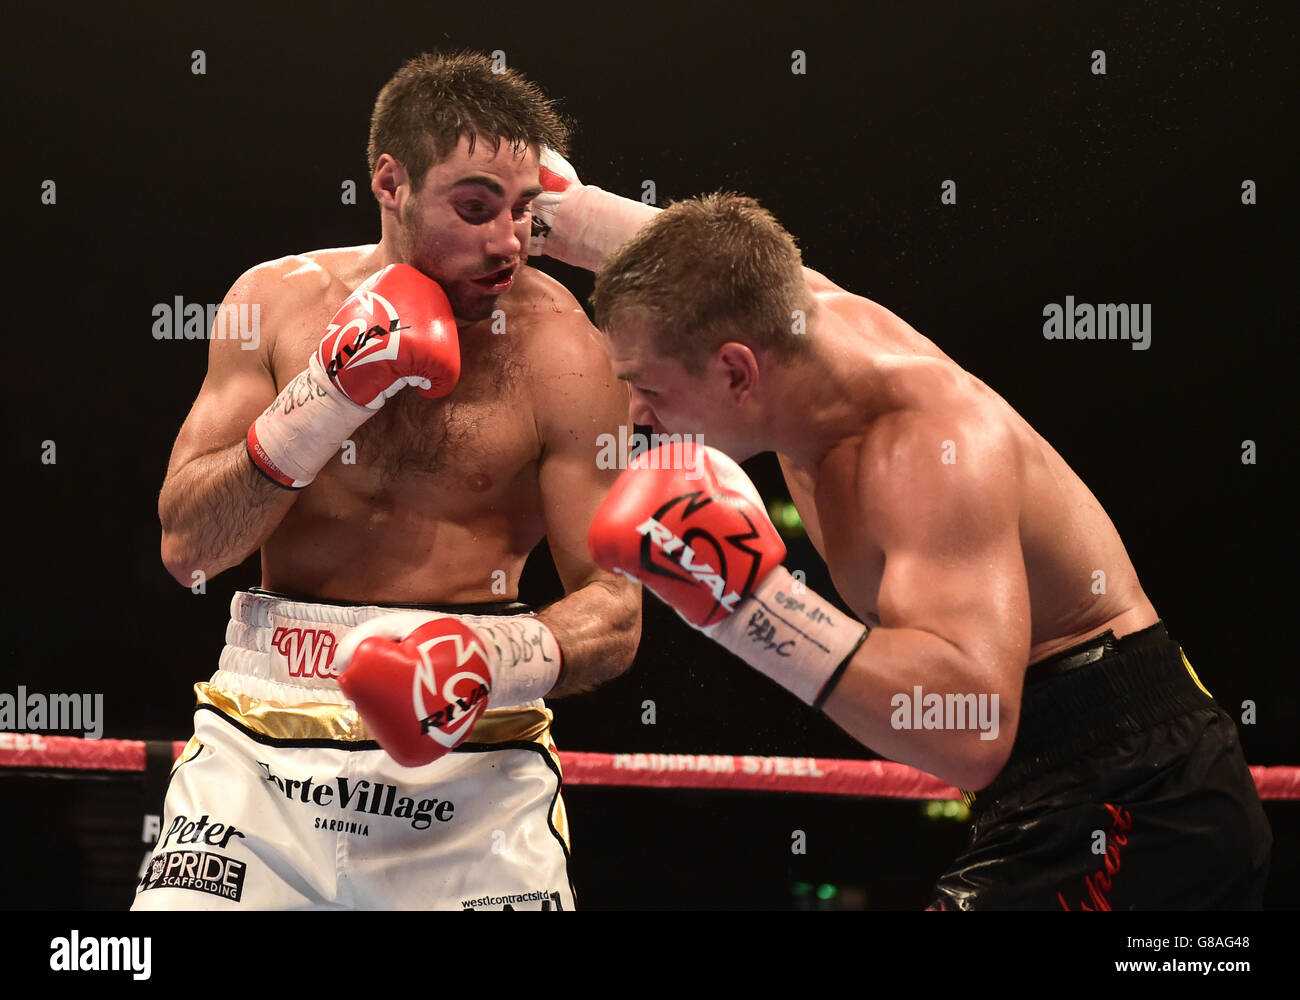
[[981, 651]]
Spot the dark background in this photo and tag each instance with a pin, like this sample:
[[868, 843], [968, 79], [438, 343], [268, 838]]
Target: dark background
[[1117, 188]]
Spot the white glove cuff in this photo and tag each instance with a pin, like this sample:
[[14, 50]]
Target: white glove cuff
[[590, 224], [303, 428], [792, 635], [523, 655]]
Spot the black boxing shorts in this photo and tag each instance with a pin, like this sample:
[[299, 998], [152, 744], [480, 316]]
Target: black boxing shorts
[[1126, 789]]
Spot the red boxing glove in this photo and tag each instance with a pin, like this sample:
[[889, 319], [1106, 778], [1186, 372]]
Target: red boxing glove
[[420, 680], [686, 522], [421, 696], [395, 330]]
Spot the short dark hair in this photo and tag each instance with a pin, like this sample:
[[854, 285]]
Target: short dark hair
[[435, 99], [706, 271]]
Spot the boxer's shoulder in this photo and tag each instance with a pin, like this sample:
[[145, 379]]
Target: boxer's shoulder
[[933, 429], [828, 294], [540, 303], [950, 427], [297, 294], [913, 393], [819, 284], [555, 336], [313, 278], [289, 280]]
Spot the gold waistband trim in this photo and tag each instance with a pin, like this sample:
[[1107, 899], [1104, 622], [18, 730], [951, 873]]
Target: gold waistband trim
[[328, 721]]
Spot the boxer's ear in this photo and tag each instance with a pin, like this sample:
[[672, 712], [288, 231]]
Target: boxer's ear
[[739, 365], [387, 179]]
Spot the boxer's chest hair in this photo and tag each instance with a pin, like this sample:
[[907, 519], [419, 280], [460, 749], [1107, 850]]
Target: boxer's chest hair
[[482, 432]]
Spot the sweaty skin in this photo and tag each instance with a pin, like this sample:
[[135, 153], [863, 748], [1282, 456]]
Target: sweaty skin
[[443, 499], [946, 521]]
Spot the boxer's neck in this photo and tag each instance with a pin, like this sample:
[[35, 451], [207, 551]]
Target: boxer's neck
[[826, 397]]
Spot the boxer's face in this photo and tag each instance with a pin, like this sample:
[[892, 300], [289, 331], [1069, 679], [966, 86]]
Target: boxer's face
[[468, 226], [668, 399]]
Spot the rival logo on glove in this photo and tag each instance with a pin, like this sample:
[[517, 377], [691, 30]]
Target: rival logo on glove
[[679, 549], [463, 693], [335, 354], [701, 547], [349, 353]]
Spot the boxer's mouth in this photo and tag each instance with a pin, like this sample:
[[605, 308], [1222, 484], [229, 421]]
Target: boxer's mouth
[[496, 282]]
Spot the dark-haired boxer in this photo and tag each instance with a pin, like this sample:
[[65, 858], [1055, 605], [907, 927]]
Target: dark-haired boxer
[[984, 649], [418, 415]]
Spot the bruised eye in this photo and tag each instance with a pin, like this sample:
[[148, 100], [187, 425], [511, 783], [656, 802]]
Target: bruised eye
[[474, 211]]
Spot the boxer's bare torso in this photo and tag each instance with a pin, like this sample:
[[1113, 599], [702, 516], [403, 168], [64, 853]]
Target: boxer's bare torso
[[443, 499], [922, 402]]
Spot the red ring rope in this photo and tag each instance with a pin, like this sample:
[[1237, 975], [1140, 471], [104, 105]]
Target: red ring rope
[[818, 775]]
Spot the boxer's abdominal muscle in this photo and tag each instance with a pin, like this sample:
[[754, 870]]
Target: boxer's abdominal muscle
[[417, 541]]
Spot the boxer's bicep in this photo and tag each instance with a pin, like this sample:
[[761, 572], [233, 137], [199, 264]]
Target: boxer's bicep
[[571, 494], [947, 522], [580, 410], [238, 384]]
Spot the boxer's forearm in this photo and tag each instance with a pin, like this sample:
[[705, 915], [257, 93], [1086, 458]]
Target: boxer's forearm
[[876, 701], [598, 628], [590, 224], [878, 686], [215, 511]]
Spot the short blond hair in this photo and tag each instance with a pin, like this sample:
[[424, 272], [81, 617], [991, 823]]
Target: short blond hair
[[707, 271]]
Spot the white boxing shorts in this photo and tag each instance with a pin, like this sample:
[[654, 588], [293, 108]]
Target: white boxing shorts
[[282, 801]]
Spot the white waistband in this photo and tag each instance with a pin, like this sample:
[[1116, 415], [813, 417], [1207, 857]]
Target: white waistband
[[283, 651]]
